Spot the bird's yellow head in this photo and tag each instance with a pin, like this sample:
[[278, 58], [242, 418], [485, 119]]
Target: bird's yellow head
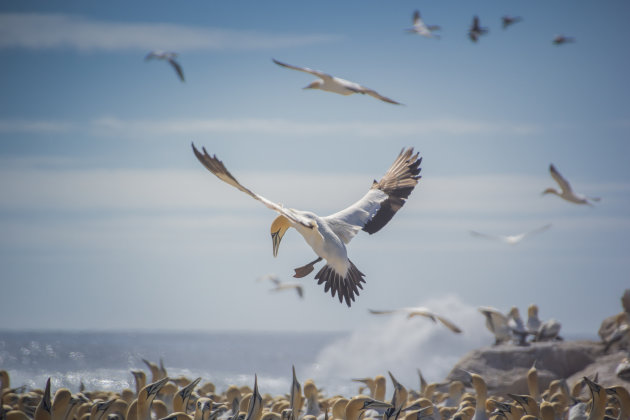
[[278, 229]]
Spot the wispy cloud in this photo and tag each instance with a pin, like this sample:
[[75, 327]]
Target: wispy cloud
[[37, 31], [34, 126], [452, 126]]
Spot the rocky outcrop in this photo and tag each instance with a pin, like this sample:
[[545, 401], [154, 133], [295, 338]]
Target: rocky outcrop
[[505, 367]]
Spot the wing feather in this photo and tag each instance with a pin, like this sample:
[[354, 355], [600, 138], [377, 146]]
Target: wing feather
[[304, 69], [217, 167], [563, 183], [377, 207]]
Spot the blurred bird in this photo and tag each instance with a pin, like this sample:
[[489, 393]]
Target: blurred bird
[[420, 28], [567, 192], [281, 285], [510, 20], [336, 85], [421, 311], [497, 323], [549, 331], [515, 322], [533, 322], [475, 30], [561, 39], [168, 56], [510, 239], [328, 235]]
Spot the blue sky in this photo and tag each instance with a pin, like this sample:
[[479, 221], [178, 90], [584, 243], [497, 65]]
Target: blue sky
[[107, 220]]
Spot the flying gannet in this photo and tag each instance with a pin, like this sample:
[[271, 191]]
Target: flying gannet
[[567, 192], [420, 28], [510, 20], [335, 84], [328, 235], [497, 323], [510, 239], [561, 39], [168, 56], [475, 30], [421, 311], [284, 285]]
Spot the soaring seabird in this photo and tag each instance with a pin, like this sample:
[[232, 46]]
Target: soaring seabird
[[283, 285], [561, 39], [476, 30], [335, 84], [510, 239], [168, 56], [510, 20], [421, 311], [329, 235], [420, 28], [567, 192]]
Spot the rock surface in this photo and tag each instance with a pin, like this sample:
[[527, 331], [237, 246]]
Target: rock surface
[[505, 367]]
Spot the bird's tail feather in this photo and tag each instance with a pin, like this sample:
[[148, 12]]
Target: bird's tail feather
[[345, 288]]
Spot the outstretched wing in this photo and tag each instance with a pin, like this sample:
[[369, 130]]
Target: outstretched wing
[[563, 183], [215, 166], [304, 69], [382, 201], [377, 95], [177, 68]]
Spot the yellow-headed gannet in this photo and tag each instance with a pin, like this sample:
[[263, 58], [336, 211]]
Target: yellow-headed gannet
[[61, 404], [359, 403], [284, 285], [141, 380], [295, 398], [254, 411], [561, 39], [510, 20], [168, 56], [420, 28], [566, 190], [311, 395], [145, 399], [329, 235], [335, 84], [481, 393], [476, 30], [622, 395], [181, 398], [44, 408], [515, 322], [510, 239], [533, 322], [532, 383], [497, 323], [421, 311], [423, 382], [399, 400]]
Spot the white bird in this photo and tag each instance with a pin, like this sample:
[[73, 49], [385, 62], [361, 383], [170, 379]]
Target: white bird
[[561, 39], [283, 285], [168, 56], [510, 239], [328, 235], [497, 323], [420, 28], [335, 84], [475, 30], [421, 311], [549, 331], [567, 192]]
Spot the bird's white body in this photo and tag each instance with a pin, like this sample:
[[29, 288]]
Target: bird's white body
[[421, 28], [510, 239], [566, 192]]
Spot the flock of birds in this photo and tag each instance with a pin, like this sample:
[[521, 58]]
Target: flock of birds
[[182, 398]]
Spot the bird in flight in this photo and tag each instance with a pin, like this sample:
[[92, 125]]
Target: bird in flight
[[561, 39], [420, 28], [566, 190], [168, 56], [283, 285], [335, 84], [475, 30], [510, 239], [510, 20], [329, 235], [421, 311]]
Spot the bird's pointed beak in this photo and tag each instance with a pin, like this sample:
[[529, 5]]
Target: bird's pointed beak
[[276, 237], [278, 229]]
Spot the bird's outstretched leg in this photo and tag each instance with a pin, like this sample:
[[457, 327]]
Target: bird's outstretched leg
[[306, 269]]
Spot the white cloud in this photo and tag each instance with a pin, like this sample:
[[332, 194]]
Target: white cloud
[[280, 126], [31, 30]]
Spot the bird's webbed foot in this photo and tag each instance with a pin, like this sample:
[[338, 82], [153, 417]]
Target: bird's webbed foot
[[305, 270]]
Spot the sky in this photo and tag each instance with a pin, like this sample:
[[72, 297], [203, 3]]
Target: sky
[[107, 220]]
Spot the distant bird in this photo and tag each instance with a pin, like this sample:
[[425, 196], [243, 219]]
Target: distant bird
[[497, 324], [280, 285], [475, 30], [421, 311], [510, 239], [168, 56], [561, 39], [515, 322], [510, 20], [336, 85], [420, 28], [549, 331], [329, 235], [566, 190], [533, 322]]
